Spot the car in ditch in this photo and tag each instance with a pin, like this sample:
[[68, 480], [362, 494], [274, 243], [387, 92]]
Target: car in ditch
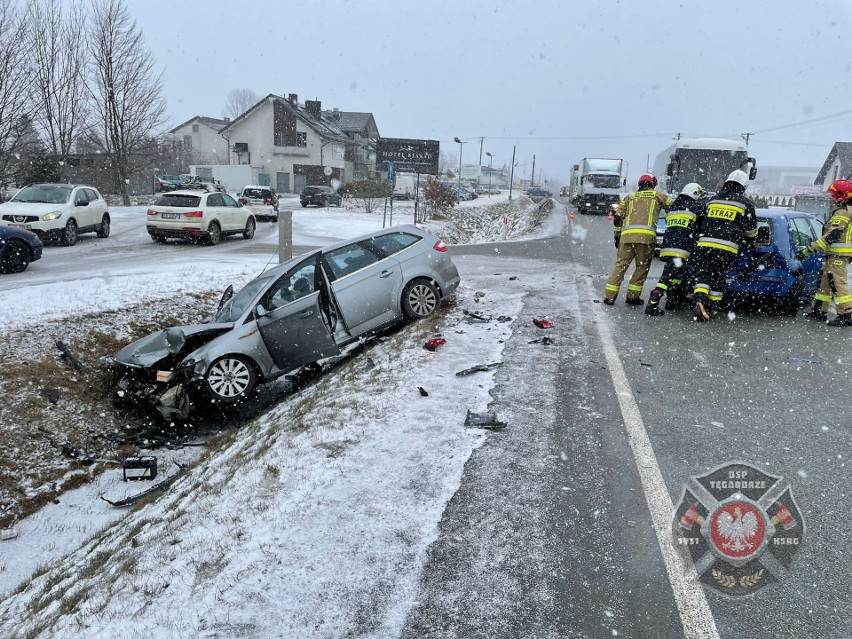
[[299, 312], [57, 212]]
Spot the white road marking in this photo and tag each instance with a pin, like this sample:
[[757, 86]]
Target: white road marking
[[695, 614]]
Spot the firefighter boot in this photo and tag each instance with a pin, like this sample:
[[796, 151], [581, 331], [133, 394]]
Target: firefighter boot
[[844, 319], [702, 310], [653, 307], [816, 313]]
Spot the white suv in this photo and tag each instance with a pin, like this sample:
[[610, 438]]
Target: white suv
[[57, 212], [261, 199], [198, 216]]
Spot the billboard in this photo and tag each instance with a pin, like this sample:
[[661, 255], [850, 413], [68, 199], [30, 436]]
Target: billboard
[[408, 156], [471, 172]]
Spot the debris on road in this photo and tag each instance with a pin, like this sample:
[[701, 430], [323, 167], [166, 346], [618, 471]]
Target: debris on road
[[433, 343], [513, 277], [8, 534], [153, 490], [51, 394], [645, 364], [475, 318], [483, 420], [504, 318], [806, 360], [68, 356], [423, 392], [479, 368], [543, 323], [544, 341]]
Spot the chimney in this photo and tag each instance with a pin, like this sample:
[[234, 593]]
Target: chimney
[[293, 99], [314, 107], [335, 114], [227, 119]]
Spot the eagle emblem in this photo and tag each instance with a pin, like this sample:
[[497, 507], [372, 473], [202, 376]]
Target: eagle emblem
[[738, 530]]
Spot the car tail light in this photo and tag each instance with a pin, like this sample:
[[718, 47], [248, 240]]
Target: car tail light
[[440, 246], [193, 213], [152, 212]]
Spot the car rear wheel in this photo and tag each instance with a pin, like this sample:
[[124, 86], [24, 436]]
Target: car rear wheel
[[14, 257], [69, 235], [214, 234], [103, 229], [420, 299], [251, 227], [230, 379], [159, 239]]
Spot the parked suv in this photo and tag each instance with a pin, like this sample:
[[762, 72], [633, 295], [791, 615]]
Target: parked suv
[[57, 212], [320, 195]]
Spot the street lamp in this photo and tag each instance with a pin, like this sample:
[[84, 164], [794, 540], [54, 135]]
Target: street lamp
[[460, 143], [490, 170]]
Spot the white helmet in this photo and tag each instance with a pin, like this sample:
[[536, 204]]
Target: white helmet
[[738, 176], [693, 190]]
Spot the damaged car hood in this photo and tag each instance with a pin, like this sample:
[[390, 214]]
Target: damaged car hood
[[151, 349]]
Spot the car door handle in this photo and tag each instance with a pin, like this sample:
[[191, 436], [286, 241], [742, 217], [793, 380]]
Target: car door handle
[[306, 313], [385, 274]]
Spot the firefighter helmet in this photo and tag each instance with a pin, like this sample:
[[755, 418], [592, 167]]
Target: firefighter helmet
[[648, 178], [840, 190], [693, 190], [738, 177]]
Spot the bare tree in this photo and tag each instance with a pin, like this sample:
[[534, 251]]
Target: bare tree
[[57, 44], [127, 102], [239, 101], [14, 86]]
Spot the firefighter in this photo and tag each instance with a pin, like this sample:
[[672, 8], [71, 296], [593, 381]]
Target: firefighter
[[836, 241], [635, 234], [728, 222], [678, 245]]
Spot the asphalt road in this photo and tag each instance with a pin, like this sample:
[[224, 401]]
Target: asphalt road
[[550, 534]]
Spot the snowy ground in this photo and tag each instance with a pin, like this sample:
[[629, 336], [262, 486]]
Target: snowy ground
[[357, 467]]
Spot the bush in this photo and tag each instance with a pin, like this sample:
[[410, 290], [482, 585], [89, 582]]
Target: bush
[[367, 192], [439, 197]]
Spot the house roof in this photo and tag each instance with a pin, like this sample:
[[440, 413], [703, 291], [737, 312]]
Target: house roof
[[321, 125], [841, 151], [213, 123], [351, 121]]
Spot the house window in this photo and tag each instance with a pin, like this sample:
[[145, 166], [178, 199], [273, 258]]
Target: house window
[[280, 138], [187, 142], [302, 138], [195, 128]]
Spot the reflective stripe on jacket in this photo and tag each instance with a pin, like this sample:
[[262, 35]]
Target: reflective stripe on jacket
[[639, 212], [727, 221], [837, 233]]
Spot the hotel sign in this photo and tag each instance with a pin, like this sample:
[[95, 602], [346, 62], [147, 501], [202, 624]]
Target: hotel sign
[[408, 156]]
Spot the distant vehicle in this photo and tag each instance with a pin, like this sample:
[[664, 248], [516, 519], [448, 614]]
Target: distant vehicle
[[403, 188], [262, 199], [18, 248], [537, 194], [463, 193], [707, 161], [485, 189], [198, 216], [820, 204], [166, 183], [320, 196], [57, 212], [596, 183], [299, 312]]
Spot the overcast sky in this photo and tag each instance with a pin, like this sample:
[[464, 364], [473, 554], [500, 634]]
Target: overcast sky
[[623, 76]]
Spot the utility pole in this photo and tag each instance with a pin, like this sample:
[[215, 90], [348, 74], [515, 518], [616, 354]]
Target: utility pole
[[532, 177], [677, 137], [481, 140], [746, 136], [512, 174]]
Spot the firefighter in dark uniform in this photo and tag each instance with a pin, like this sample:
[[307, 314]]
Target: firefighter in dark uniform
[[728, 222], [678, 245], [635, 234], [836, 241]]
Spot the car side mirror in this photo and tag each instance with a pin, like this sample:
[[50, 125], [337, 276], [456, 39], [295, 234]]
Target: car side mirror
[[260, 311], [752, 173]]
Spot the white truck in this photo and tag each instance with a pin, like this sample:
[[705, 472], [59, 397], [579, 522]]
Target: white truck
[[232, 176], [596, 184]]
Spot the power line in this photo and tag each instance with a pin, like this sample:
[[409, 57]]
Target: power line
[[839, 114]]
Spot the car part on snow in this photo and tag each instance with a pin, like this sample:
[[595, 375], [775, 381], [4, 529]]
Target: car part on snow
[[68, 356], [479, 368], [543, 323], [153, 490], [136, 468], [504, 318], [806, 360], [471, 316], [483, 420], [423, 392], [544, 341], [52, 394], [433, 343], [7, 534]]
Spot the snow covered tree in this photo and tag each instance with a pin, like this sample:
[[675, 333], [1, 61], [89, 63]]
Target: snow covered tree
[[127, 102], [57, 44], [15, 71]]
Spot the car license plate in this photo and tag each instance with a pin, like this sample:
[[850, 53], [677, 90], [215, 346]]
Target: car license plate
[[22, 226], [170, 216]]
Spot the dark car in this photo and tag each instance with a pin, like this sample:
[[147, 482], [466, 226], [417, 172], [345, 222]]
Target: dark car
[[770, 269], [165, 183], [18, 247], [320, 195], [537, 193]]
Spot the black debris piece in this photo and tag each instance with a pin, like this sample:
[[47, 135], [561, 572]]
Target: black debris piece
[[476, 316], [596, 301], [156, 488], [479, 368], [644, 364], [423, 391], [483, 420], [513, 277], [544, 341], [504, 318], [68, 356], [51, 394]]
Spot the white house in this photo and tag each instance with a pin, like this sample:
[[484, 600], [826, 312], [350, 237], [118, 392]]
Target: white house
[[293, 144], [201, 139], [837, 165]]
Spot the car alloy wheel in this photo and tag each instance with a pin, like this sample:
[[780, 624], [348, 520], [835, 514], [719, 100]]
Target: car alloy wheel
[[251, 227], [103, 229], [230, 378], [69, 237], [420, 299], [14, 257], [214, 234]]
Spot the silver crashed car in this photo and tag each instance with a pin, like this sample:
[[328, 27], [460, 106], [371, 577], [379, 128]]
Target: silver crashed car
[[294, 314]]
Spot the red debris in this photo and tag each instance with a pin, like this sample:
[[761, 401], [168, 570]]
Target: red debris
[[543, 323], [434, 343]]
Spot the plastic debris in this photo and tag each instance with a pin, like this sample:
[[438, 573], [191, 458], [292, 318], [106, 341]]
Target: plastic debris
[[476, 316], [51, 394], [504, 318], [479, 368], [423, 392], [7, 534], [483, 420], [513, 277], [433, 343], [68, 356], [806, 360], [544, 341], [543, 323]]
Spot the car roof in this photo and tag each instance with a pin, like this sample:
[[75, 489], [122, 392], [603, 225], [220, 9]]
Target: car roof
[[779, 213], [257, 186], [195, 192], [406, 228]]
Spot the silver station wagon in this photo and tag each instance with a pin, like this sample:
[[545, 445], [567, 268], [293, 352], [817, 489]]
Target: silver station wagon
[[294, 314]]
